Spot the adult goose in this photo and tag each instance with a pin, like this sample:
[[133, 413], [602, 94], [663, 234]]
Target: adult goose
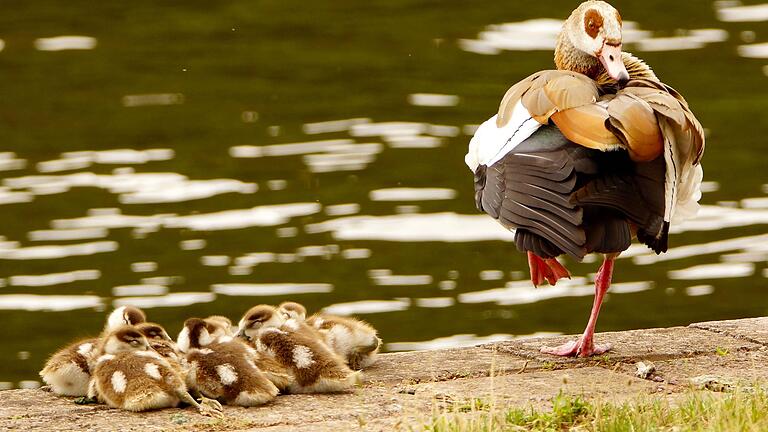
[[587, 157]]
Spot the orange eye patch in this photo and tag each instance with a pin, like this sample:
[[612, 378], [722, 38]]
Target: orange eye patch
[[592, 22]]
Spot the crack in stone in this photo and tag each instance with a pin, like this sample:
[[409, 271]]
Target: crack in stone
[[727, 332]]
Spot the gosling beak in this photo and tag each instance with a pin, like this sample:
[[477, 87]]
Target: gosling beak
[[241, 334], [610, 57]]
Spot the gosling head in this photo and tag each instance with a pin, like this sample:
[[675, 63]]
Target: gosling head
[[258, 319], [123, 339], [219, 326], [124, 315], [153, 331], [293, 310]]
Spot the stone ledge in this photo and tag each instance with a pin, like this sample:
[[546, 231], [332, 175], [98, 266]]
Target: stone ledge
[[403, 389]]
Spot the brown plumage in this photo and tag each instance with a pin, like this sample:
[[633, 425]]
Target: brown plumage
[[298, 348], [129, 375], [222, 368], [67, 371], [354, 340], [584, 158]]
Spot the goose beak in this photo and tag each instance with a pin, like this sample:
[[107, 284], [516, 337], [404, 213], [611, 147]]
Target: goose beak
[[610, 57]]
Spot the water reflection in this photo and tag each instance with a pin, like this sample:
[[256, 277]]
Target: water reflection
[[541, 35], [734, 12], [61, 43]]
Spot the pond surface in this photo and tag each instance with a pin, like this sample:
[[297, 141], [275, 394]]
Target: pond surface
[[201, 159]]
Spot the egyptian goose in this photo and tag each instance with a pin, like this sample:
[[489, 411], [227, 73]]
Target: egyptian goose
[[128, 374], [354, 340], [68, 370], [299, 348], [221, 367], [587, 157]]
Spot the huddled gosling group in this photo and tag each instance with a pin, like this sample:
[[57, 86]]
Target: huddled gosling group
[[134, 365]]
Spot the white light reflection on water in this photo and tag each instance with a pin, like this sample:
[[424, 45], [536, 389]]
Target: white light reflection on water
[[342, 209], [245, 289], [55, 303], [187, 190], [67, 234], [137, 100], [269, 215], [699, 290], [356, 253], [58, 251], [168, 300], [9, 162], [413, 141], [402, 280], [412, 194], [738, 13], [697, 249], [368, 307], [288, 149], [523, 292], [447, 227], [435, 302], [134, 188], [8, 196], [432, 99], [123, 156], [61, 43], [541, 35], [713, 271], [139, 290], [332, 126], [759, 50], [54, 278], [459, 341]]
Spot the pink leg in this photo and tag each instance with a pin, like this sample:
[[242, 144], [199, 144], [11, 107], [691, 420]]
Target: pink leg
[[545, 269], [585, 346]]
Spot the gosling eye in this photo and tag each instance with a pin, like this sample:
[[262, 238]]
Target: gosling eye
[[286, 315]]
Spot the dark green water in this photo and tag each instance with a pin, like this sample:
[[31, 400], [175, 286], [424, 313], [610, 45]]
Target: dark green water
[[254, 74]]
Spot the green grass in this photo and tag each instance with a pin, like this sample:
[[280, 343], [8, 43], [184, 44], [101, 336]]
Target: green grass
[[695, 411]]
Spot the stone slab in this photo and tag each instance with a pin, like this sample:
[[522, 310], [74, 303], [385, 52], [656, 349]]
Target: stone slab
[[749, 329], [632, 345]]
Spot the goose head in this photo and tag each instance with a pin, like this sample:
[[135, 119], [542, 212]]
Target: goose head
[[590, 42]]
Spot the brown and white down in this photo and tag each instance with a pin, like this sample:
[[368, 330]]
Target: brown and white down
[[354, 340], [222, 368], [67, 371], [160, 341], [129, 375], [298, 348]]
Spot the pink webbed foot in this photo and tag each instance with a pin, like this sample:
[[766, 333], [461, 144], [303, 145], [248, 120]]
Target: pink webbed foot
[[576, 348], [545, 269]]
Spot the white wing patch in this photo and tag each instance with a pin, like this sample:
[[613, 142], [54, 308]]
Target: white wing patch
[[119, 382], [153, 370], [491, 143], [302, 357], [85, 349], [227, 373]]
